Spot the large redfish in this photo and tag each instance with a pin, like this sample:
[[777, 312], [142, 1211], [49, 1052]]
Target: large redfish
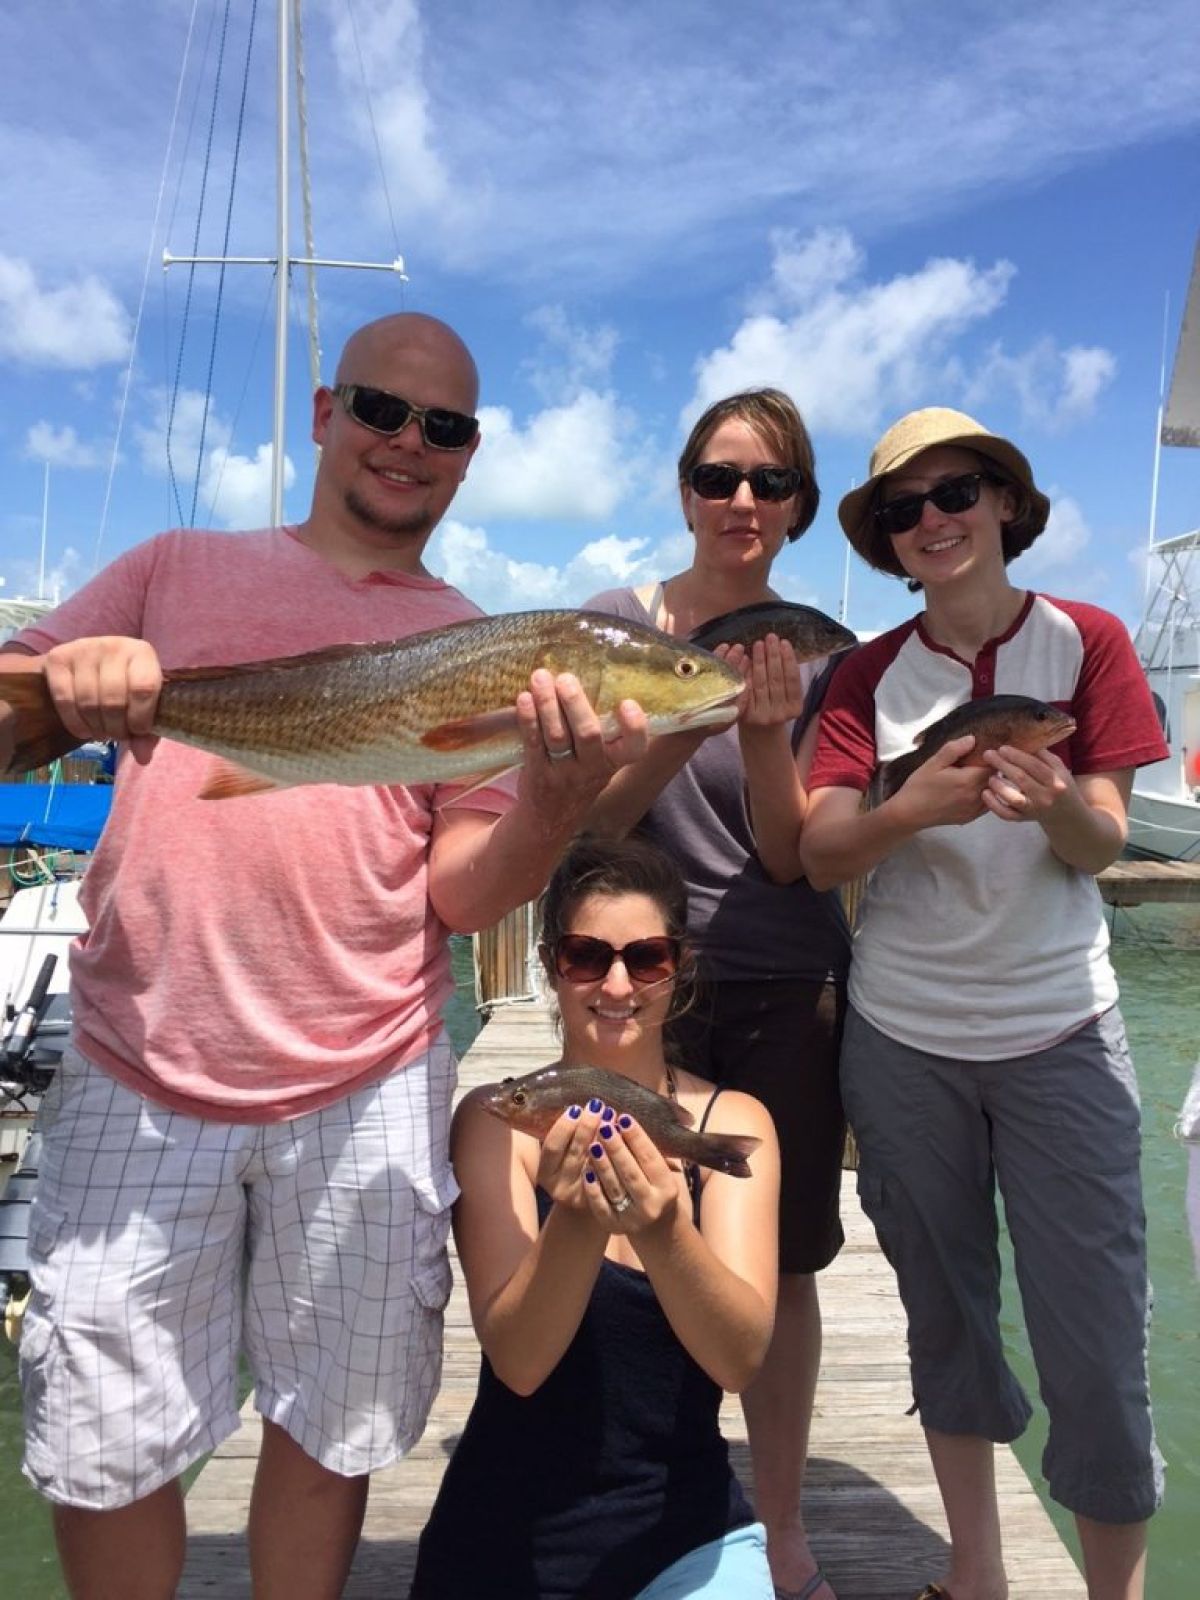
[[431, 707], [535, 1102], [1013, 719]]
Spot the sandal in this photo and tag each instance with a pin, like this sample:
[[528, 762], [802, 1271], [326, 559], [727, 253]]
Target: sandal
[[809, 1589]]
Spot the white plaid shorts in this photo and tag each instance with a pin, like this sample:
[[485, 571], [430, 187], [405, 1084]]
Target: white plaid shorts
[[162, 1245]]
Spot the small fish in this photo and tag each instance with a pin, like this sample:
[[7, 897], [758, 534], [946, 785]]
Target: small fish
[[1015, 719], [810, 632], [535, 1102], [429, 708]]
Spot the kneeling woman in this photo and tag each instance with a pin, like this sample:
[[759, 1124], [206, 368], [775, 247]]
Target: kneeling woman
[[615, 1294]]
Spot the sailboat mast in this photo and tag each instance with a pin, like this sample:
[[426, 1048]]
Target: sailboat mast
[[1158, 428], [283, 260]]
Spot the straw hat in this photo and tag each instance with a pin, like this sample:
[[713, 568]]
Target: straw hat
[[921, 430]]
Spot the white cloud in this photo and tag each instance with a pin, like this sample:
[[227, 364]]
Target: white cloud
[[575, 357], [561, 143], [1054, 387], [852, 354], [466, 557], [568, 462], [380, 45], [570, 152], [171, 440], [22, 577], [233, 490], [236, 489], [80, 325], [1065, 538], [61, 447]]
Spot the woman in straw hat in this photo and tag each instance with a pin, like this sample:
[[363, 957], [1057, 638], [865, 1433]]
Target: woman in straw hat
[[772, 959], [983, 1042]]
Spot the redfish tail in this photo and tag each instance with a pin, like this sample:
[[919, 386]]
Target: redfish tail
[[727, 1152], [40, 735]]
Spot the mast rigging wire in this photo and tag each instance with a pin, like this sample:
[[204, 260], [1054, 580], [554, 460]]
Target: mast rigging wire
[[212, 353], [187, 304], [137, 321]]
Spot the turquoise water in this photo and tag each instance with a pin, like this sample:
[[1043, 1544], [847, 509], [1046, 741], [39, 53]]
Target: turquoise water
[[1156, 954]]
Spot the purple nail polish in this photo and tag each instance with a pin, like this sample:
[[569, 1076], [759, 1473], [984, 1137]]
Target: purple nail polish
[[624, 1122], [589, 1176], [607, 1114], [574, 1111], [606, 1132], [594, 1105], [596, 1152]]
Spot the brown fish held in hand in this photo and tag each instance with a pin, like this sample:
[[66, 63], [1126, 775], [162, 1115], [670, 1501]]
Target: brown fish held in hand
[[810, 632], [1013, 719], [429, 708], [535, 1102]]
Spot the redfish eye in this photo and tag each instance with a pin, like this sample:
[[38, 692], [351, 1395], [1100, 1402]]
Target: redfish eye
[[519, 1097], [686, 668]]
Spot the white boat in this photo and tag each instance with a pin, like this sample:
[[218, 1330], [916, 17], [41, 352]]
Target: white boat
[[1164, 813]]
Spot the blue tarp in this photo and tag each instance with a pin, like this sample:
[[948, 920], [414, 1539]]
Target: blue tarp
[[55, 816]]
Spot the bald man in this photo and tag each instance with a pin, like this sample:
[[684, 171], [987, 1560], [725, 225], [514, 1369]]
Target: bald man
[[246, 1145]]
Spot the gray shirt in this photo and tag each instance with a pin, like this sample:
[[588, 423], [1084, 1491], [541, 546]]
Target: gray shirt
[[743, 925]]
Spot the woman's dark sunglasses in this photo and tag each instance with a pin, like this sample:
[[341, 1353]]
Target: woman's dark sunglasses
[[950, 497], [581, 959], [715, 480], [388, 413]]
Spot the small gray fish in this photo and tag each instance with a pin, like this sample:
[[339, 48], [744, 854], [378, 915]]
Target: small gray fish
[[1014, 719], [810, 633], [534, 1103]]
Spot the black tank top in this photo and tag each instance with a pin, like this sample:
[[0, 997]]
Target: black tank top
[[588, 1488]]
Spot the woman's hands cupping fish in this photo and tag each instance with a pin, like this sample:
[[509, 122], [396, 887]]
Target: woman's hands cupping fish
[[774, 696], [606, 1166]]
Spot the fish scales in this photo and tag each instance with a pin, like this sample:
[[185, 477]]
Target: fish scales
[[810, 632], [429, 707], [535, 1102], [1013, 719]]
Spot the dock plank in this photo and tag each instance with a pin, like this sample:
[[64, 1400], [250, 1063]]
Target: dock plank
[[1134, 882], [872, 1502]]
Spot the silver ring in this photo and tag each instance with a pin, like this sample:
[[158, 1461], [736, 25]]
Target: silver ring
[[561, 755], [623, 1204]]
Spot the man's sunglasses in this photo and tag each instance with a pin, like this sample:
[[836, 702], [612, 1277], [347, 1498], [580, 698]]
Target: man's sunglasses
[[388, 413], [582, 959], [950, 497], [715, 480]]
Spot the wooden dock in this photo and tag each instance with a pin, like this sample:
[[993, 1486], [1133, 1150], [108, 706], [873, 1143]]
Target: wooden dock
[[1136, 882], [872, 1504]]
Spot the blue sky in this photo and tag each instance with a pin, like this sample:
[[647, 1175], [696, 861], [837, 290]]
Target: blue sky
[[627, 210]]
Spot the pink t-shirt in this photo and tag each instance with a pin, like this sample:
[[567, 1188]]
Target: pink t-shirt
[[977, 942], [254, 959]]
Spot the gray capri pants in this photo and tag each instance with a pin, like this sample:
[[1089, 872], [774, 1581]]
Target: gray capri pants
[[1061, 1131]]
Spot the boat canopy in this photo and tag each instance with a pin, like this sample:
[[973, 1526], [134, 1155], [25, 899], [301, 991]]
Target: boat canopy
[[53, 816]]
